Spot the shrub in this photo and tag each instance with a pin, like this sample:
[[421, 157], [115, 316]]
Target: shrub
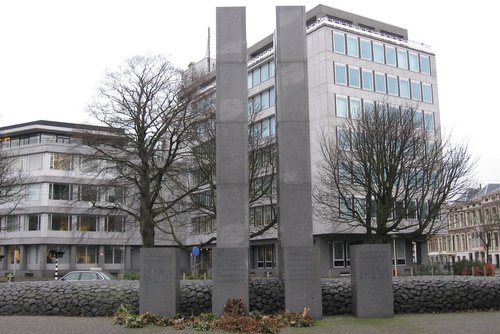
[[132, 276]]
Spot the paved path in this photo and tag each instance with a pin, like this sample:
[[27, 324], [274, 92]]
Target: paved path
[[456, 323]]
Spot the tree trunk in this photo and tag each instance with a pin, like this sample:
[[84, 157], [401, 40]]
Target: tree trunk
[[147, 233]]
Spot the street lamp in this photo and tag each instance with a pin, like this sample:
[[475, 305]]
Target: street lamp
[[394, 237], [56, 254]]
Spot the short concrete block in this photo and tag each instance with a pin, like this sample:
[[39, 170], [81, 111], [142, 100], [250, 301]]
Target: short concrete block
[[230, 277], [301, 279], [371, 281], [160, 281]]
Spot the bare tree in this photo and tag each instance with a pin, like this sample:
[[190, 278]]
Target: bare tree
[[485, 225], [13, 184], [148, 102], [386, 172]]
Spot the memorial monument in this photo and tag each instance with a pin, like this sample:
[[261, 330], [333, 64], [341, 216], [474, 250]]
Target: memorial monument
[[230, 276], [299, 259]]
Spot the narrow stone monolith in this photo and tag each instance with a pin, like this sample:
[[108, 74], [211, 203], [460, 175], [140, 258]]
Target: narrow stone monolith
[[230, 276], [299, 258]]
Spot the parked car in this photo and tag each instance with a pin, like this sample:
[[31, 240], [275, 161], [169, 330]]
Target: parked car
[[87, 275]]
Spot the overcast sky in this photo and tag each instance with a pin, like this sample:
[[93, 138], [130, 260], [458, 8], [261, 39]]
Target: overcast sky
[[53, 53]]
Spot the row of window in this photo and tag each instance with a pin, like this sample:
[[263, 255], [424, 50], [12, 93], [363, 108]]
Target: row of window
[[380, 53], [264, 128], [77, 192], [264, 185], [342, 258], [355, 77], [35, 138], [262, 215], [88, 254], [485, 216], [463, 242], [411, 210], [64, 222], [203, 225], [353, 107], [261, 101], [60, 161], [260, 74]]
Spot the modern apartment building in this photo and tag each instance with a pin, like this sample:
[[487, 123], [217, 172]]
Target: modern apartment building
[[473, 225], [353, 63], [56, 214]]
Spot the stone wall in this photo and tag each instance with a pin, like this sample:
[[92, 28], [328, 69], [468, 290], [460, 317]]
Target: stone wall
[[411, 294]]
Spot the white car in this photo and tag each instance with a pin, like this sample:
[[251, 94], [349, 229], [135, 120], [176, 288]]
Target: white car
[[87, 275]]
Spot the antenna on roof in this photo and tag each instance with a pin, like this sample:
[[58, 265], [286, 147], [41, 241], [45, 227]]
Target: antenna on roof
[[208, 51]]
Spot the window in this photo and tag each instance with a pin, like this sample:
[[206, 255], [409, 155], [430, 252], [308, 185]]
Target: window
[[341, 106], [263, 257], [60, 191], [264, 100], [355, 107], [340, 74], [368, 106], [61, 161], [114, 195], [380, 82], [261, 101], [415, 90], [392, 85], [264, 72], [390, 55], [400, 253], [34, 191], [338, 43], [88, 193], [203, 225], [413, 62], [367, 79], [343, 138], [59, 222], [429, 120], [203, 199], [354, 79], [366, 49], [427, 93], [113, 254], [14, 253], [402, 59], [404, 88], [249, 80], [34, 162], [378, 53], [33, 222], [341, 257], [425, 66], [352, 46], [262, 215], [86, 254], [114, 224], [12, 223], [256, 77], [418, 119], [87, 223]]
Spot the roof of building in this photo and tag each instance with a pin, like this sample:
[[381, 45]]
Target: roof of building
[[29, 127]]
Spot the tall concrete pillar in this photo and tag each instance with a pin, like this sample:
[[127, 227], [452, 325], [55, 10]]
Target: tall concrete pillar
[[230, 277], [299, 263]]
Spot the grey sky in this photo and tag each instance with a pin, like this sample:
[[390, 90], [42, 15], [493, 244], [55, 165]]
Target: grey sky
[[54, 52]]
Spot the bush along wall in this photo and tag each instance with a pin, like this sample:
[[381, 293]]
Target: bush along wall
[[411, 294]]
